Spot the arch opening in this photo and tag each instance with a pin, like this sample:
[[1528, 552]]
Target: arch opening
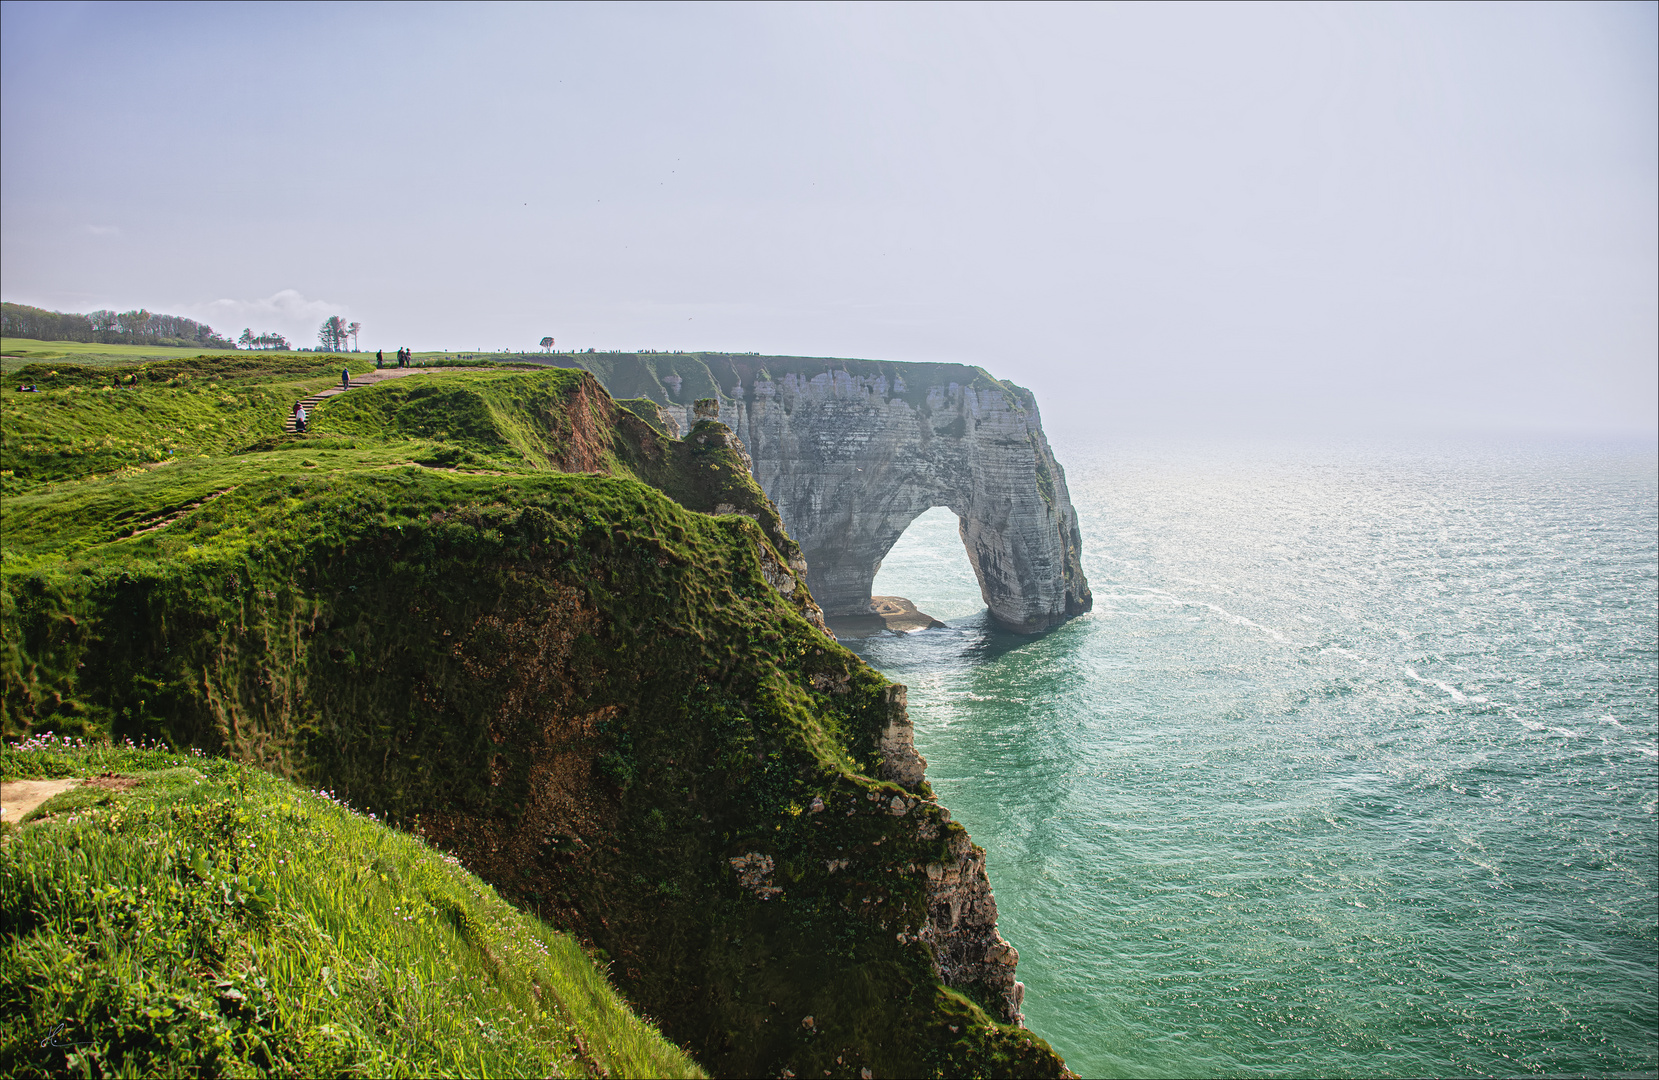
[[928, 565]]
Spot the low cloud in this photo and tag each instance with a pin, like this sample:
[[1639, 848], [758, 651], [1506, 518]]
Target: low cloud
[[103, 230], [287, 312]]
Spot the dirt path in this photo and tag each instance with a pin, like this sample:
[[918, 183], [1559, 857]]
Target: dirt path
[[18, 797], [370, 379]]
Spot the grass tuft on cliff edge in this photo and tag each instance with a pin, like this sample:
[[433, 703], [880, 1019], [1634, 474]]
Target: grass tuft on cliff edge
[[210, 919]]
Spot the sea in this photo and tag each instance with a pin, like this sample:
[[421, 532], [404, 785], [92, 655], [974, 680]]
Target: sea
[[1351, 771]]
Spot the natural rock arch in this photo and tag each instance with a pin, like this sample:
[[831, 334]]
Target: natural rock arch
[[851, 451], [852, 454]]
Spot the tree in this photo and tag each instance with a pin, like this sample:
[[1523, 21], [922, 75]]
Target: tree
[[246, 340], [135, 324], [332, 334], [546, 343], [352, 330]]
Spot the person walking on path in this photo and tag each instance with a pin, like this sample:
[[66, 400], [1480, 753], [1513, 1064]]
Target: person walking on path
[[379, 359], [345, 378]]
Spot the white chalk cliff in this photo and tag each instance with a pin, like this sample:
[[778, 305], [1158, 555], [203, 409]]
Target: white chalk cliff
[[852, 451]]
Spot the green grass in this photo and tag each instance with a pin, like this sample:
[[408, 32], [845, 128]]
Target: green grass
[[88, 423], [216, 920], [646, 410], [516, 418], [494, 605], [79, 431], [16, 352]]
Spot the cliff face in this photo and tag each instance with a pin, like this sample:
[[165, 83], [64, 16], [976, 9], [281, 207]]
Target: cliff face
[[968, 950], [610, 695], [851, 451]]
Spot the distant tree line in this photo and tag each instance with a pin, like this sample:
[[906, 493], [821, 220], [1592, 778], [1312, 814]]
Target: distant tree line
[[268, 340], [109, 327]]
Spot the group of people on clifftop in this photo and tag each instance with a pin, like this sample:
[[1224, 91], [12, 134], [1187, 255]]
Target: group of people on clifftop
[[405, 358]]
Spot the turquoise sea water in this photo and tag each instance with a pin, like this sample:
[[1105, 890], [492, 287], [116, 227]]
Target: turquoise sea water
[[1351, 771]]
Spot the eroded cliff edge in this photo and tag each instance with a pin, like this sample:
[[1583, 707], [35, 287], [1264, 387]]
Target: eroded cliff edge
[[851, 451], [621, 710]]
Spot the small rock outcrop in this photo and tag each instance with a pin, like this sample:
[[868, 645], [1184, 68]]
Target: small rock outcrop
[[900, 762], [962, 928]]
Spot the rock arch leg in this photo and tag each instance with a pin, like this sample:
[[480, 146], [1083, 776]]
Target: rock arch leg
[[1016, 553], [842, 563]]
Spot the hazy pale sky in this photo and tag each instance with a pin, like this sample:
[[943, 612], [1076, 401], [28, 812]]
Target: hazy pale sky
[[1265, 218]]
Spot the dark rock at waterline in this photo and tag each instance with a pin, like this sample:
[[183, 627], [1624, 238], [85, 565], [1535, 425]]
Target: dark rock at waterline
[[887, 615]]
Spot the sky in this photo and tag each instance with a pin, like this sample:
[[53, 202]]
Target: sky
[[1260, 219]]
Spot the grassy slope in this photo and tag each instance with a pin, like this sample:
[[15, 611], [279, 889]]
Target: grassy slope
[[593, 694], [217, 920], [82, 423]]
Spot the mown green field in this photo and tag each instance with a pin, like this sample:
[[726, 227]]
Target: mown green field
[[16, 353], [216, 920]]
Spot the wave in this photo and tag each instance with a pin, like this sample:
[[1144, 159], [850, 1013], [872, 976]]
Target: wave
[[1456, 694]]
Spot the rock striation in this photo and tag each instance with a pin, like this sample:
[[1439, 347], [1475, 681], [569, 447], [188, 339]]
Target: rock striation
[[852, 451]]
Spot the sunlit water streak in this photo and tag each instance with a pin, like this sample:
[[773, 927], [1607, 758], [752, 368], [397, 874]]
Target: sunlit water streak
[[1352, 770]]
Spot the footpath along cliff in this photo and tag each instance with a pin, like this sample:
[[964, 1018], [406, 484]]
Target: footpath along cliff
[[851, 451], [501, 610]]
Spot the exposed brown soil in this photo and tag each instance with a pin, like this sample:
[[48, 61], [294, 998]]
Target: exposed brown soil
[[112, 782]]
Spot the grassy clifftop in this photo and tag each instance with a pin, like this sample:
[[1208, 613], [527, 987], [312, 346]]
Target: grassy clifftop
[[496, 608], [197, 916], [682, 378]]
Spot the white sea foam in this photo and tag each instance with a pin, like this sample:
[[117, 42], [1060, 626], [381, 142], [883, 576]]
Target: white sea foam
[[1456, 694], [1564, 731], [1531, 725], [1236, 620], [1483, 865]]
